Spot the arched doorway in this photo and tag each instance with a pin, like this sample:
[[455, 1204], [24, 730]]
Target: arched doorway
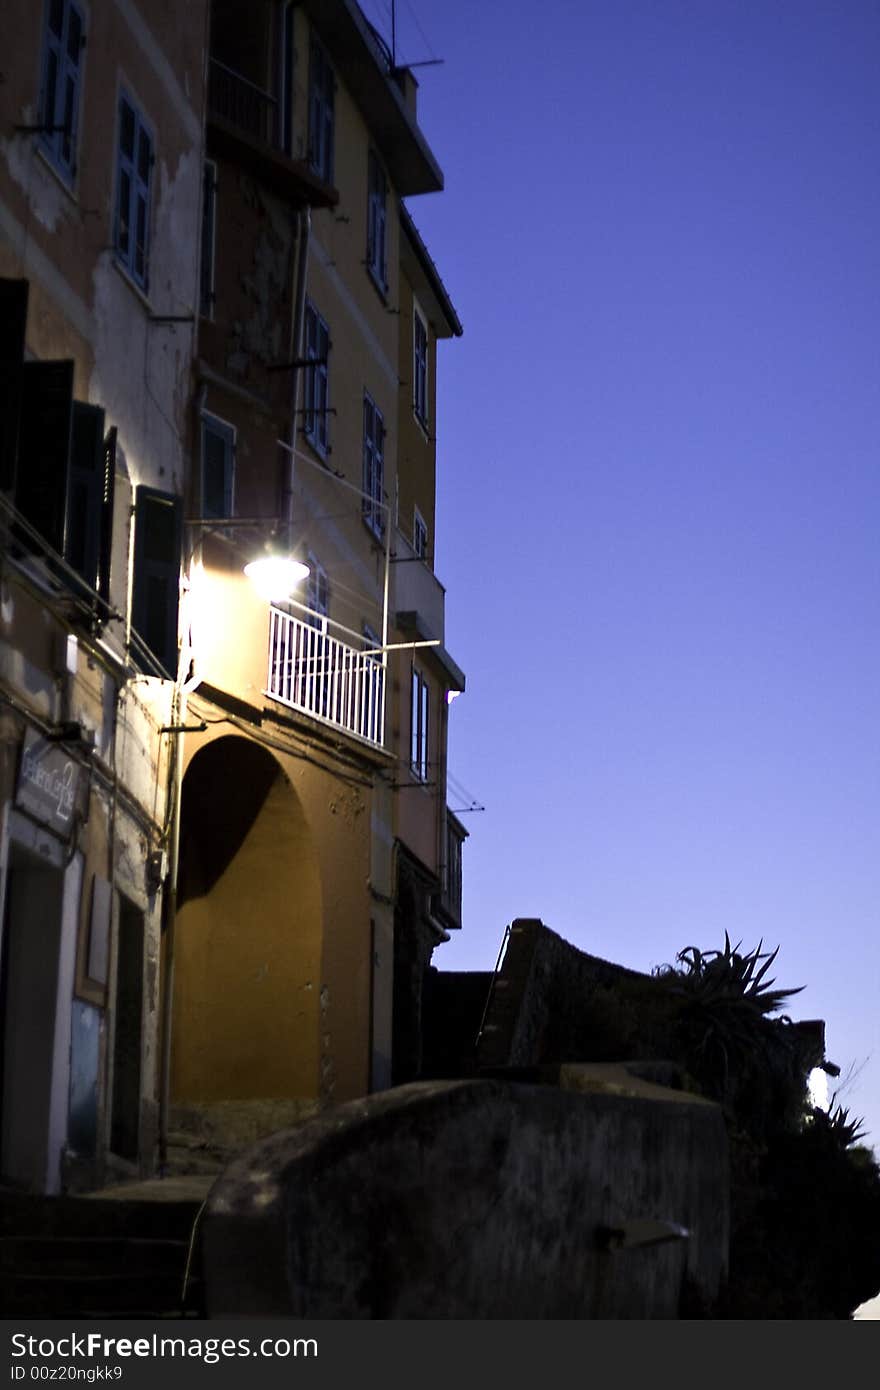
[[247, 970]]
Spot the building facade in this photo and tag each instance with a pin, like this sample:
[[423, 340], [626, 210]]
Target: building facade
[[226, 855]]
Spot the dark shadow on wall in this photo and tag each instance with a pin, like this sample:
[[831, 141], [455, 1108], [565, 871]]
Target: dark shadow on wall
[[224, 790]]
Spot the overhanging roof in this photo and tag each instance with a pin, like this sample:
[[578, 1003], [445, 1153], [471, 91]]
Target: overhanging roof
[[415, 254], [362, 63]]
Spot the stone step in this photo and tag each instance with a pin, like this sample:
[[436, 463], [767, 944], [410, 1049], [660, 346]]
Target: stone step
[[115, 1294], [91, 1255]]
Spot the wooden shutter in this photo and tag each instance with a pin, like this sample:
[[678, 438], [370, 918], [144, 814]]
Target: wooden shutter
[[106, 528], [13, 320], [85, 492], [45, 424], [157, 548]]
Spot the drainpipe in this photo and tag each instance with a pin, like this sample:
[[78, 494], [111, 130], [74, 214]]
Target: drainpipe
[[178, 714], [298, 296], [182, 689]]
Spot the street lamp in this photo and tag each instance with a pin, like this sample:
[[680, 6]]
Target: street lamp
[[275, 573], [275, 576]]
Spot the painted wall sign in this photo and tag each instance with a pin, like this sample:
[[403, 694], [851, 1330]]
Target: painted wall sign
[[48, 782]]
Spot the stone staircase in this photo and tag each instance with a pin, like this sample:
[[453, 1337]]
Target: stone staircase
[[129, 1252]]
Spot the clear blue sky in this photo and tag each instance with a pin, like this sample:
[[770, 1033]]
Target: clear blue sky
[[658, 478]]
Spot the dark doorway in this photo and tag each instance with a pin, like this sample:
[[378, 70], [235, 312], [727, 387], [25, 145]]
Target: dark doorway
[[28, 1001], [126, 1108]]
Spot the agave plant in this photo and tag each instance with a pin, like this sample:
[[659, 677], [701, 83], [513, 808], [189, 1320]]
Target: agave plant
[[731, 976], [724, 1000], [836, 1122]]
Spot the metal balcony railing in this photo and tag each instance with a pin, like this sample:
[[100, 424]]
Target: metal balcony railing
[[318, 675], [244, 105]]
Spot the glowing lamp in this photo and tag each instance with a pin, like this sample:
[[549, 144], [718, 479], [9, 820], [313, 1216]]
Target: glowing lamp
[[276, 576]]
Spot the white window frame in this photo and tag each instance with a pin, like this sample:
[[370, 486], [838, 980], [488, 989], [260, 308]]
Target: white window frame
[[222, 430], [317, 593], [140, 191], [374, 467], [420, 368], [317, 381], [377, 222], [60, 144], [419, 724], [420, 534], [322, 112]]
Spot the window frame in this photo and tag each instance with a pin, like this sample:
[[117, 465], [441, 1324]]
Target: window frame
[[68, 76], [420, 534], [146, 613], [208, 243], [220, 429], [373, 506], [419, 709], [377, 222], [420, 367], [286, 84], [322, 112], [139, 191], [316, 393]]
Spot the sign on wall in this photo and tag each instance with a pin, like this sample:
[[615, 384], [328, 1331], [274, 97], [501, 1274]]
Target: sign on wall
[[49, 782]]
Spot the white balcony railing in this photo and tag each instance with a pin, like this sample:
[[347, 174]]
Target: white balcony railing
[[327, 679]]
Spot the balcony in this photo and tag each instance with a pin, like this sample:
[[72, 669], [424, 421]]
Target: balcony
[[243, 126], [416, 590], [317, 675]]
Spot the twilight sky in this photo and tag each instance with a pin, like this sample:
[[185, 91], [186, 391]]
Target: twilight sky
[[658, 478]]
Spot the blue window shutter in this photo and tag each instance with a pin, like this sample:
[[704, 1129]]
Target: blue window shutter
[[158, 529]]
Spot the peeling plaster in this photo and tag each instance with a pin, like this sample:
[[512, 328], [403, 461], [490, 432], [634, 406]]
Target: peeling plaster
[[141, 375], [49, 202]]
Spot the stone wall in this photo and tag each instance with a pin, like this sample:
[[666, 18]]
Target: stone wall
[[478, 1199]]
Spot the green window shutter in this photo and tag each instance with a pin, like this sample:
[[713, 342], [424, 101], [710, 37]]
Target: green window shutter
[[45, 426], [85, 495], [106, 528], [158, 529]]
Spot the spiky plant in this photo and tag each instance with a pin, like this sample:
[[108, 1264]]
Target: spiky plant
[[725, 1002]]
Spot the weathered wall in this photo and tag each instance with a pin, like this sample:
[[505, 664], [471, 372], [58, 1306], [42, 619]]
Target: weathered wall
[[477, 1200]]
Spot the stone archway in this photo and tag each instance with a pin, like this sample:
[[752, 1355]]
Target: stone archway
[[247, 970]]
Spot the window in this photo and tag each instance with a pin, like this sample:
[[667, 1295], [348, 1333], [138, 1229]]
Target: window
[[313, 654], [157, 547], [376, 200], [63, 43], [371, 685], [218, 463], [317, 594], [285, 84], [374, 460], [420, 368], [322, 87], [316, 388], [452, 893], [419, 726], [134, 174], [420, 536], [62, 479], [13, 323], [209, 234]]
